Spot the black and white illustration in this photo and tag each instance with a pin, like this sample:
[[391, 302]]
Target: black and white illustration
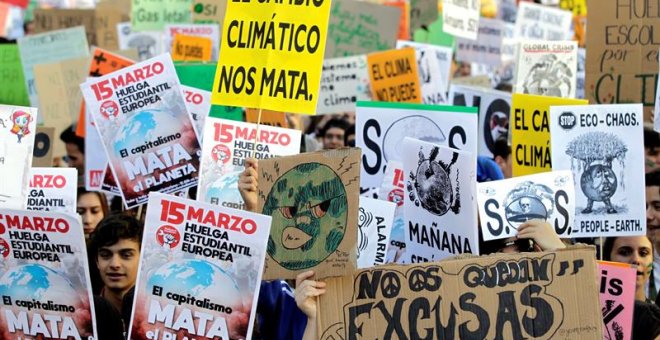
[[505, 205], [603, 147], [538, 22], [439, 204], [434, 67], [147, 43], [547, 68], [374, 228]]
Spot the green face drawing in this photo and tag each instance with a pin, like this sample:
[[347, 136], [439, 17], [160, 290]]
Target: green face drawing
[[309, 210]]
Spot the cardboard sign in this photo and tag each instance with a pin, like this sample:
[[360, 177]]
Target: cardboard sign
[[380, 128], [198, 103], [554, 295], [191, 48], [270, 118], [146, 129], [12, 91], [357, 27], [209, 11], [538, 22], [17, 129], [344, 82], [189, 249], [530, 133], [46, 20], [108, 14], [461, 18], [49, 47], [404, 18], [434, 68], [392, 190], [622, 62], [227, 144], [422, 13], [53, 189], [147, 43], [547, 68], [487, 48], [394, 76], [152, 15], [494, 108], [44, 277], [617, 298], [313, 199], [208, 31], [42, 154], [281, 73], [505, 205], [375, 219], [603, 146], [440, 201]]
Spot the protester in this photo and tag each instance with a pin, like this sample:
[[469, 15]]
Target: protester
[[349, 139], [333, 133], [502, 156], [75, 152], [653, 229], [278, 317], [92, 206], [651, 149], [109, 323], [307, 293], [533, 235]]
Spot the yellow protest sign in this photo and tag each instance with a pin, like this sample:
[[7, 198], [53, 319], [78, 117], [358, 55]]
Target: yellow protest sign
[[393, 75], [271, 55], [530, 132], [191, 48]]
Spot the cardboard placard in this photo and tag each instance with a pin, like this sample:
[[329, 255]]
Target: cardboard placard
[[434, 68], [487, 48], [280, 74], [209, 31], [358, 27], [12, 90], [603, 146], [547, 68], [209, 11], [189, 249], [147, 43], [344, 82], [227, 144], [375, 219], [108, 14], [42, 154], [617, 298], [422, 13], [17, 132], [461, 18], [530, 132], [270, 118], [316, 226], [505, 205], [152, 15], [404, 18], [44, 276], [394, 76], [538, 22], [53, 189], [46, 20], [555, 295], [392, 190]]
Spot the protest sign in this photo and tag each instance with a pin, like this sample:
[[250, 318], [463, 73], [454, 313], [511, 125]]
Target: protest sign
[[49, 47], [422, 13], [434, 68], [12, 91], [487, 48], [434, 35], [46, 20], [209, 31], [505, 205], [152, 15], [578, 7], [108, 14], [313, 199], [581, 74], [209, 11], [42, 154], [440, 202], [96, 161], [16, 146], [191, 48], [461, 18], [198, 103], [19, 3], [552, 295], [200, 270], [547, 68], [603, 146], [617, 298], [530, 133], [227, 144], [146, 129], [380, 128], [404, 18], [281, 73], [44, 277], [270, 118], [358, 27], [538, 22], [494, 108], [147, 43], [392, 190], [375, 219], [344, 82], [53, 189], [622, 63], [394, 76]]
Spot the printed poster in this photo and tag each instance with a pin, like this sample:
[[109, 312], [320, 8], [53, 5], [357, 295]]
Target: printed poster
[[461, 18], [375, 219], [152, 15], [200, 271], [344, 82], [12, 71], [394, 77], [226, 147], [440, 201], [392, 190], [17, 129], [603, 145], [53, 189], [617, 298], [538, 22], [547, 68], [96, 162], [198, 103], [487, 48], [147, 43], [210, 31], [507, 204], [146, 129], [44, 277], [434, 68]]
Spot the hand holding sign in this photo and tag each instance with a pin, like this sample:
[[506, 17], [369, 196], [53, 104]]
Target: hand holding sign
[[542, 234], [247, 184]]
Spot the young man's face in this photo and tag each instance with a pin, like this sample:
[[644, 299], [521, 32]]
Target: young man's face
[[653, 213], [333, 139], [118, 264], [75, 157]]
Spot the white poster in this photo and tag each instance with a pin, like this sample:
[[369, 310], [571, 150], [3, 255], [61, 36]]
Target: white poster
[[53, 189], [95, 162], [147, 43], [440, 202], [487, 48], [434, 68], [198, 103], [538, 22], [344, 82], [211, 31], [603, 145], [461, 18], [375, 219], [505, 205], [392, 190], [547, 68], [18, 126]]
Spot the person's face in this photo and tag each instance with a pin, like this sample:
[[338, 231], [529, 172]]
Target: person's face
[[90, 210], [506, 165], [118, 264], [651, 159], [333, 139], [75, 158], [636, 250], [653, 213]]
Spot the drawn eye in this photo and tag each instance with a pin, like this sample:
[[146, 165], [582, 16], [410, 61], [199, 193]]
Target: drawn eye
[[288, 212], [321, 209]]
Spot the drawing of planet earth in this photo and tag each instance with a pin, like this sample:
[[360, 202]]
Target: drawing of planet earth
[[35, 281]]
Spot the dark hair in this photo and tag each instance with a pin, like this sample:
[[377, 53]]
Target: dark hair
[[653, 179], [104, 201], [112, 229], [501, 148], [349, 132], [68, 136], [609, 245], [334, 123], [651, 139]]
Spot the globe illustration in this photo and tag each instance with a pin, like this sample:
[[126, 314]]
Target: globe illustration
[[434, 188], [225, 189], [34, 281], [424, 129], [141, 128], [200, 279]]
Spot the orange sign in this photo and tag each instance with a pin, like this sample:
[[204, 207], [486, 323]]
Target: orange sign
[[191, 48], [394, 76]]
